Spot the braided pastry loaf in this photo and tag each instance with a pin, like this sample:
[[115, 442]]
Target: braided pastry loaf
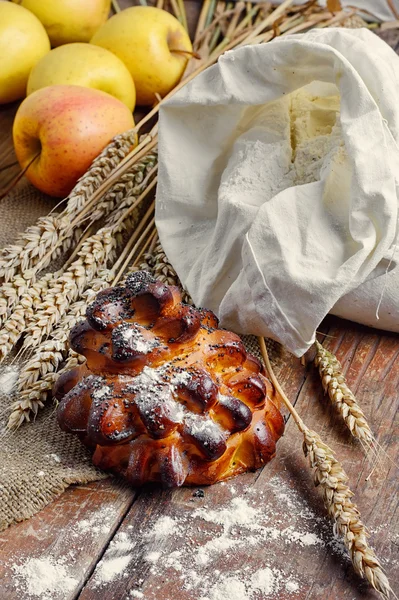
[[165, 395]]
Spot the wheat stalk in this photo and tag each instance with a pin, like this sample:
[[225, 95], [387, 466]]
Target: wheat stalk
[[15, 325], [34, 381], [38, 239], [130, 184], [331, 478], [32, 400], [93, 256], [157, 263], [10, 294], [22, 256], [12, 291], [47, 358], [334, 384], [13, 329]]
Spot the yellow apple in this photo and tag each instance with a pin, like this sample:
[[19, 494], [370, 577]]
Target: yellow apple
[[152, 44], [61, 129], [23, 42], [69, 20], [86, 65]]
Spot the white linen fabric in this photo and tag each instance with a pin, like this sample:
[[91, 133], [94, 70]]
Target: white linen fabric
[[278, 184]]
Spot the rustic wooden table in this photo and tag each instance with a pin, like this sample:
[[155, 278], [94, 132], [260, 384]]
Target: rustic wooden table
[[261, 535]]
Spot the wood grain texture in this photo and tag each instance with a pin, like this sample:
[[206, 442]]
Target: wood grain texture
[[75, 529], [7, 155], [283, 492]]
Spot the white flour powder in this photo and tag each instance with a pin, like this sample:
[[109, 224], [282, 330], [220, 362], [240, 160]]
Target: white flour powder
[[164, 527], [153, 557], [99, 522], [116, 560], [243, 524], [185, 549], [239, 512], [8, 379], [48, 578], [43, 578], [266, 581]]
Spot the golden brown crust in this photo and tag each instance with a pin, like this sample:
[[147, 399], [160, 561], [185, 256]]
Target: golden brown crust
[[165, 395]]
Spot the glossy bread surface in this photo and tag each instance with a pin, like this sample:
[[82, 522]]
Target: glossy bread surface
[[165, 395]]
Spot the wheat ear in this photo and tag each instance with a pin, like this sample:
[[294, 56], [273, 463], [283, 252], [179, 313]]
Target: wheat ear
[[157, 263], [39, 374], [31, 401], [96, 253], [15, 325], [130, 184], [66, 289], [330, 476], [12, 291], [38, 239], [334, 384]]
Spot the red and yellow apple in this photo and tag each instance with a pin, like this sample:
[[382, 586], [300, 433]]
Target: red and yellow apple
[[69, 20], [23, 42], [86, 65], [153, 45], [61, 129]]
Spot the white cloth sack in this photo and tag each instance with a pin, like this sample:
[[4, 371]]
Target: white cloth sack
[[278, 184]]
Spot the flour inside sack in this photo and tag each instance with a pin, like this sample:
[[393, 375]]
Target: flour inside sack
[[306, 134], [290, 155]]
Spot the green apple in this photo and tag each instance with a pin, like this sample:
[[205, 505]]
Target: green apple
[[154, 46], [23, 42], [86, 65], [69, 20]]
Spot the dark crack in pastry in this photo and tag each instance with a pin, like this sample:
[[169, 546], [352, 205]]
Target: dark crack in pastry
[[165, 395]]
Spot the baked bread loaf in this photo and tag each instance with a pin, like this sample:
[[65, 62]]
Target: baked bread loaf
[[165, 395]]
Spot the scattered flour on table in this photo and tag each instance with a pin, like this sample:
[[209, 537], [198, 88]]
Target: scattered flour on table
[[152, 557], [115, 561], [187, 549], [47, 578], [43, 578], [164, 527], [265, 581], [303, 538], [238, 512], [100, 521], [291, 586]]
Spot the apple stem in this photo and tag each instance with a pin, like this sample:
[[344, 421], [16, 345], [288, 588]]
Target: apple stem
[[193, 54], [14, 182]]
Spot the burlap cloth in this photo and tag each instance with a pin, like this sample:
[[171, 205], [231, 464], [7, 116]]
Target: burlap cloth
[[39, 461]]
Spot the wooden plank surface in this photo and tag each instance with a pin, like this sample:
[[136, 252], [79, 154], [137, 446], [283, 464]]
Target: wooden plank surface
[[279, 538], [261, 535], [179, 545], [67, 537]]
